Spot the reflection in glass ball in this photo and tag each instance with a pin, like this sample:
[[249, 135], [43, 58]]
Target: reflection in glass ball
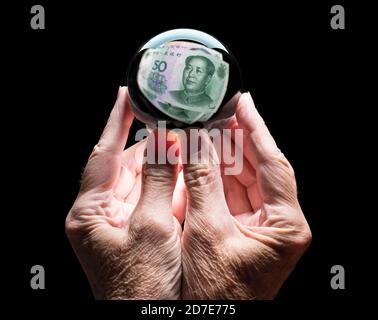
[[186, 78]]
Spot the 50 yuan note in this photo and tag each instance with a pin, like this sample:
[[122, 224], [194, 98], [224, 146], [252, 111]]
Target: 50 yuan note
[[184, 80]]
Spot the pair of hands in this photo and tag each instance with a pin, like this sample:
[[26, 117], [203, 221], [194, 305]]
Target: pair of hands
[[242, 236]]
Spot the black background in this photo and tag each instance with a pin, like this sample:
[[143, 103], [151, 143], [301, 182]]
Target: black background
[[64, 81]]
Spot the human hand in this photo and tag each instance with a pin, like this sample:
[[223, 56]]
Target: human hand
[[242, 237], [123, 224]]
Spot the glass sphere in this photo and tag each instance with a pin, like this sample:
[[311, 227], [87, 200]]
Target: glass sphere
[[186, 78]]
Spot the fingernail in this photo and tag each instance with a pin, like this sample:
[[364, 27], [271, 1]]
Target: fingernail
[[249, 100], [164, 140]]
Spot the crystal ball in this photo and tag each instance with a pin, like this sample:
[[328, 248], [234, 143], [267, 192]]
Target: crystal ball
[[186, 78]]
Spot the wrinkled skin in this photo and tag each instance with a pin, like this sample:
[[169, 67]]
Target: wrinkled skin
[[121, 225], [242, 235]]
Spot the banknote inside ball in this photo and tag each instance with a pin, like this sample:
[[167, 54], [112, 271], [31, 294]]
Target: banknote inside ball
[[183, 81]]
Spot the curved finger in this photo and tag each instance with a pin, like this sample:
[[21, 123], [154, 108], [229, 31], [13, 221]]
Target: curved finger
[[104, 165], [158, 183], [207, 206], [275, 176], [115, 134]]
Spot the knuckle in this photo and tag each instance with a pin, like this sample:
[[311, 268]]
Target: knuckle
[[71, 226], [201, 175], [304, 237], [87, 211], [300, 239], [96, 151], [157, 173], [68, 224]]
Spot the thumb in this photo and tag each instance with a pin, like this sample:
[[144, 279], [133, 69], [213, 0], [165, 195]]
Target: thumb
[[159, 177], [207, 206]]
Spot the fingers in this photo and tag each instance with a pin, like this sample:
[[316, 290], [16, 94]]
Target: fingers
[[129, 179], [114, 136], [275, 176], [158, 180], [104, 165], [263, 147], [247, 175], [207, 206]]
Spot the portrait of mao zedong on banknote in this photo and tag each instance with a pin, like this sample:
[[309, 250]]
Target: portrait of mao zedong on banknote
[[196, 76]]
